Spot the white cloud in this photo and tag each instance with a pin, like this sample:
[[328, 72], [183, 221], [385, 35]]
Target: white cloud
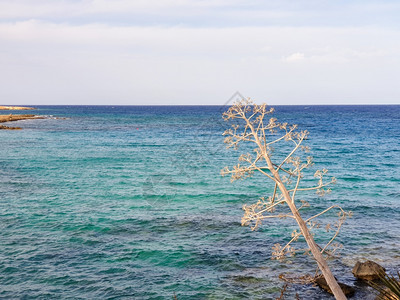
[[210, 13], [60, 61], [294, 57], [49, 8]]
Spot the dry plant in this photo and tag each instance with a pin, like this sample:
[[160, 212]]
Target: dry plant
[[389, 289], [252, 125]]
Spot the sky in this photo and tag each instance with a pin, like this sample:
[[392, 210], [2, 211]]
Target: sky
[[176, 52]]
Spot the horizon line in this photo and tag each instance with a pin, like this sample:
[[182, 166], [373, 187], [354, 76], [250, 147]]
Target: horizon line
[[33, 105]]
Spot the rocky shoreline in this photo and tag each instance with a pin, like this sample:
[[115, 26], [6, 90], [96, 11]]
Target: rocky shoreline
[[11, 118], [16, 108], [367, 271]]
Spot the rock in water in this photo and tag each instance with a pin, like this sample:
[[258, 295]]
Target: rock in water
[[9, 128], [368, 270], [347, 290]]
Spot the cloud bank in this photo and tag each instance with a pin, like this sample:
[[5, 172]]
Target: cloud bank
[[197, 52]]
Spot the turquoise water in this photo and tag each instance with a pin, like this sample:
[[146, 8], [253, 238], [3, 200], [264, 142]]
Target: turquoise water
[[128, 203]]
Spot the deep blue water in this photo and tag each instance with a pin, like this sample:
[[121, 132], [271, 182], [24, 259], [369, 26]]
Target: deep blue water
[[128, 203]]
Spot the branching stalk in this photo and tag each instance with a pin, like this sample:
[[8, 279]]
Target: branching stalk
[[250, 118]]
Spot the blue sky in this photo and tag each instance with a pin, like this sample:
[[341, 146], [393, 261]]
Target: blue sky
[[199, 52]]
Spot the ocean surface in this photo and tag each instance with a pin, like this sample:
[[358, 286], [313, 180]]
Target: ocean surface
[[127, 202]]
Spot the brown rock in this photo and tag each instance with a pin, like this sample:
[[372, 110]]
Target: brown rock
[[11, 117], [347, 290], [368, 270], [9, 128], [15, 108]]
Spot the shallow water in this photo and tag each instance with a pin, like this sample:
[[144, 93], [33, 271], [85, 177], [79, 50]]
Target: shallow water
[[128, 202]]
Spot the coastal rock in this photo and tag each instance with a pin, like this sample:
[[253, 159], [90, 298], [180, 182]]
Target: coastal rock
[[368, 270], [15, 108], [11, 117], [347, 290], [9, 128]]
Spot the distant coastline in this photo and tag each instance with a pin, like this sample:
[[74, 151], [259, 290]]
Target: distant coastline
[[16, 108]]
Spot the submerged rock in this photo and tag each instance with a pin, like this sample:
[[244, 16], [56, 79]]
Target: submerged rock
[[368, 270], [248, 279], [347, 290], [9, 128]]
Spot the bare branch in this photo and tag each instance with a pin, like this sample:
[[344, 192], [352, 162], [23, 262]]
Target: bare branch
[[292, 152], [296, 187], [250, 119]]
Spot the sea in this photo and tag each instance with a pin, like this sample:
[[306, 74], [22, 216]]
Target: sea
[[127, 202]]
